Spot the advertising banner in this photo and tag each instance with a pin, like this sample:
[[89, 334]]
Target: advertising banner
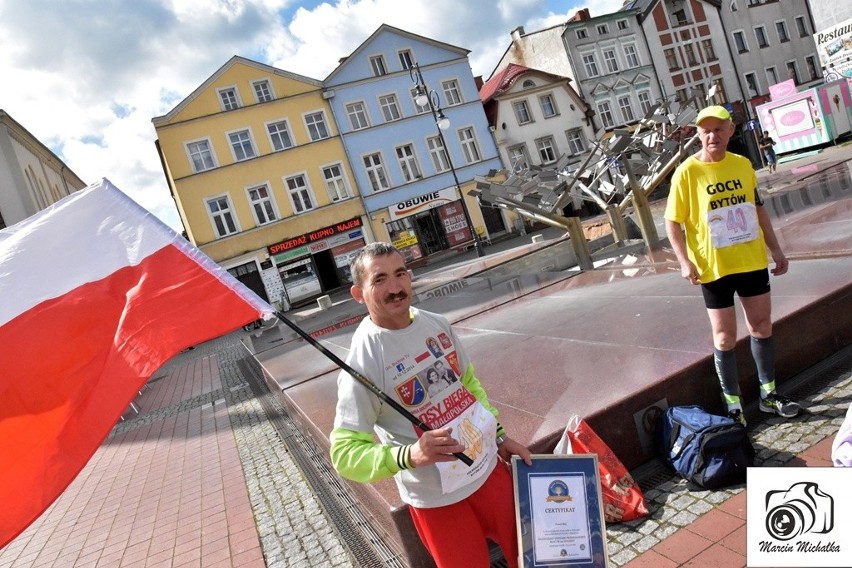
[[834, 45]]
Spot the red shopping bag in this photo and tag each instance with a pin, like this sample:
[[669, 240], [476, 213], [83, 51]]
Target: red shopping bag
[[622, 497]]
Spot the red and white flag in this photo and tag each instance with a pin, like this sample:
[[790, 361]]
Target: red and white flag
[[95, 295]]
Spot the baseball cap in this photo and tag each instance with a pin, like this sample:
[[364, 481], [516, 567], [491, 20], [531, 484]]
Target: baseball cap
[[713, 112]]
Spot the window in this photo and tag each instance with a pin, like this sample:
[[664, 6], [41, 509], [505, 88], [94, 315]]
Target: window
[[760, 36], [751, 85], [300, 195], [622, 24], [548, 108], [792, 71], [316, 126], [680, 18], [606, 114], [813, 67], [376, 172], [681, 95], [602, 29], [671, 59], [575, 141], [690, 54], [406, 59], [590, 64], [802, 26], [357, 115], [469, 146], [522, 112], [408, 163], [518, 158], [610, 61], [546, 149], [261, 204], [781, 28], [771, 75], [279, 133], [528, 84], [631, 56], [335, 183], [417, 108], [377, 64], [200, 156], [241, 145], [581, 33], [262, 91], [452, 93], [740, 42], [709, 52], [440, 160], [219, 209], [644, 101], [229, 98], [626, 109], [390, 109]]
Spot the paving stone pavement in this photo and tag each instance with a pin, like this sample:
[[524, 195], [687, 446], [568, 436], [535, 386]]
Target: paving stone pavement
[[293, 529]]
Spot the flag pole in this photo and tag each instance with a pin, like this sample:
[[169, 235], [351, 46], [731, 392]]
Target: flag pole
[[371, 386]]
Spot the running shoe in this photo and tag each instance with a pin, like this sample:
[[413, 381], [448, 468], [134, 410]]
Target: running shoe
[[737, 416], [780, 405]]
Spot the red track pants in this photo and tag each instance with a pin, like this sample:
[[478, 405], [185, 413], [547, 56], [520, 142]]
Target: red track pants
[[455, 534]]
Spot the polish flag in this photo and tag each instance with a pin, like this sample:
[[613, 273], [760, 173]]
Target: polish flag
[[95, 295]]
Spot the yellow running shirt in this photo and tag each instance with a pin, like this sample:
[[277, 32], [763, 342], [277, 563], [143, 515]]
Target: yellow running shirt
[[715, 202]]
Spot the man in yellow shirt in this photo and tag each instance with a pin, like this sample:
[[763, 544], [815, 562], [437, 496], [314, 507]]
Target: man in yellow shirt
[[719, 230]]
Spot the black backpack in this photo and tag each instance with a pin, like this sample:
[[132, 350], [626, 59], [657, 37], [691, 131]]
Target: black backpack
[[708, 450]]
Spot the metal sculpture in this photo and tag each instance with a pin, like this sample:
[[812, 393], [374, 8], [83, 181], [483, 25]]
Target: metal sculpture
[[620, 172]]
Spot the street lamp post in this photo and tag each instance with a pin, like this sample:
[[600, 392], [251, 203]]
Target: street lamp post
[[424, 97]]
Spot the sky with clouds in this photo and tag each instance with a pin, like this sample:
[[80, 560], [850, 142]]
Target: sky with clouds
[[86, 77]]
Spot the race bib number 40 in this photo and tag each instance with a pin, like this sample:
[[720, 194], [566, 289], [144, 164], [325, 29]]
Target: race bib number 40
[[733, 225]]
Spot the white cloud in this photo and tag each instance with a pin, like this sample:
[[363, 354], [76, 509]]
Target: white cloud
[[86, 78]]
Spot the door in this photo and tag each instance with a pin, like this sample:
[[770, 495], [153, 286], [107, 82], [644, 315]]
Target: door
[[430, 234], [249, 275], [327, 270]]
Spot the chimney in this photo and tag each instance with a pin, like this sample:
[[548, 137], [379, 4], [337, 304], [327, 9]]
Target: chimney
[[517, 33], [581, 15]]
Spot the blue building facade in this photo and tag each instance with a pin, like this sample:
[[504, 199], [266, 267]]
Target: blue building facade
[[410, 173]]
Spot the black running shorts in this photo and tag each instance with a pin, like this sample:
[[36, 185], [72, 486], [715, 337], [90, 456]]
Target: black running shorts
[[719, 294]]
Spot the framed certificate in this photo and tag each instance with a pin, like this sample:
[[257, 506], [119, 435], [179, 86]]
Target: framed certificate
[[559, 511]]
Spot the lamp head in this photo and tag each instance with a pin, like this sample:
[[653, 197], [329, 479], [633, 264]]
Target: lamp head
[[443, 122]]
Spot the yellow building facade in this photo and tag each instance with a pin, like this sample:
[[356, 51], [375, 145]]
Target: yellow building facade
[[262, 182]]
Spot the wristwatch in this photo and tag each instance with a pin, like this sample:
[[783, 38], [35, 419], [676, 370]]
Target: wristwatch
[[501, 439]]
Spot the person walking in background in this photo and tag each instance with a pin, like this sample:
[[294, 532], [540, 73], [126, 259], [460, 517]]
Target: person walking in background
[[719, 230], [455, 508], [766, 144]]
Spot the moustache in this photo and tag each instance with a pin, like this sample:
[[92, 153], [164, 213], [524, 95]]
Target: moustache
[[397, 296]]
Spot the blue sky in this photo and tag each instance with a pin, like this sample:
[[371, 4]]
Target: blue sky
[[110, 66]]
